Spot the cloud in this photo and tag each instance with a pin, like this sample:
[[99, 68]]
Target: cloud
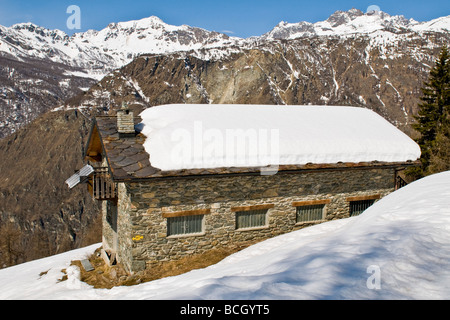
[[227, 31]]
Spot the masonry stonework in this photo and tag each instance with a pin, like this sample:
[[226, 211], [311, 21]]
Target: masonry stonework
[[140, 237]]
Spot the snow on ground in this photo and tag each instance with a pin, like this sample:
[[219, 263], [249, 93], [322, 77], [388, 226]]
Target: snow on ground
[[397, 249], [207, 136]]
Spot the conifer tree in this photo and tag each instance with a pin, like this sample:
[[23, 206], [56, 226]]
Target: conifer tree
[[433, 113], [440, 158]]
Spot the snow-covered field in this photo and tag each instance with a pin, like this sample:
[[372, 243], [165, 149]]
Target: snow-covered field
[[397, 249]]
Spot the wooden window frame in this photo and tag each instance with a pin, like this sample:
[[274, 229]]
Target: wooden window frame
[[351, 200], [308, 203], [362, 198], [188, 213], [254, 207], [246, 209]]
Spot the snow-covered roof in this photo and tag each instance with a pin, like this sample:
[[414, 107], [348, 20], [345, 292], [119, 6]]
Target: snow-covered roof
[[193, 136]]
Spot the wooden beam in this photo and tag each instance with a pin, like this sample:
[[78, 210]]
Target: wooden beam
[[310, 203], [362, 198], [255, 207], [186, 213]]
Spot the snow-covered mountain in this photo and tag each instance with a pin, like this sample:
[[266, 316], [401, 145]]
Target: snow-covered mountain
[[372, 60], [41, 68], [397, 249], [354, 21], [99, 52], [110, 48]]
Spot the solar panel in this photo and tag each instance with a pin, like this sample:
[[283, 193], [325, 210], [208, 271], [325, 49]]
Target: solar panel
[[84, 172]]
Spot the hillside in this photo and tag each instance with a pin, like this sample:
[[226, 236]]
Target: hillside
[[397, 249], [30, 87], [39, 216]]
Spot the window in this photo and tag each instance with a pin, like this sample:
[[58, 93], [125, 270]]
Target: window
[[310, 213], [312, 210], [358, 207], [185, 222], [185, 225], [111, 214], [251, 216], [359, 204], [251, 219]]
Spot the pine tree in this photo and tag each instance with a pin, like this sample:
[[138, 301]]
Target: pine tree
[[433, 109], [440, 159]]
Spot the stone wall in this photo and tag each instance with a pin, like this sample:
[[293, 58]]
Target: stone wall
[[143, 208]]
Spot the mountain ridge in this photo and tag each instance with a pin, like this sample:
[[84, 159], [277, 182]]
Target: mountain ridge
[[355, 21], [134, 34]]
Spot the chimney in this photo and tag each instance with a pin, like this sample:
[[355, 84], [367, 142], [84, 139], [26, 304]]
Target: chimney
[[125, 121]]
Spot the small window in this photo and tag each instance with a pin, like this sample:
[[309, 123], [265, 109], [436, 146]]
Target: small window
[[251, 219], [310, 213], [358, 207], [111, 214], [185, 225]]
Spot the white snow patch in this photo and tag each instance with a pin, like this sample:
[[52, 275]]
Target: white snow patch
[[185, 136], [95, 76]]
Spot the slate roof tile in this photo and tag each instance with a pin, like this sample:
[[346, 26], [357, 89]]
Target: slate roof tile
[[126, 155]]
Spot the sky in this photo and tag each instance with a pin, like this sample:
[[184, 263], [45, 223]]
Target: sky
[[241, 18]]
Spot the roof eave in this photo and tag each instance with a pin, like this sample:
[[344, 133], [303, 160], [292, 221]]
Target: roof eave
[[94, 132], [216, 172]]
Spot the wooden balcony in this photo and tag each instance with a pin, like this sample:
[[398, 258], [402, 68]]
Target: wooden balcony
[[400, 180], [101, 186]]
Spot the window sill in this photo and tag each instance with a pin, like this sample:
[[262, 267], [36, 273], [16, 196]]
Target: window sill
[[310, 222], [252, 228], [188, 235]]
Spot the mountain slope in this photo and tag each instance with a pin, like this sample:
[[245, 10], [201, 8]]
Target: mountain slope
[[30, 87], [39, 215], [314, 71]]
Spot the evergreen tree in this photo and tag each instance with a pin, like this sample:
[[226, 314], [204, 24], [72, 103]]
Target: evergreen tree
[[432, 116], [440, 159]]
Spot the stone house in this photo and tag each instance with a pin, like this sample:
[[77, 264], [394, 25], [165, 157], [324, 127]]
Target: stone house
[[156, 212]]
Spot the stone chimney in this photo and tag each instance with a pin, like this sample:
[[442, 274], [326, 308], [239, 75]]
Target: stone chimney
[[125, 121]]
